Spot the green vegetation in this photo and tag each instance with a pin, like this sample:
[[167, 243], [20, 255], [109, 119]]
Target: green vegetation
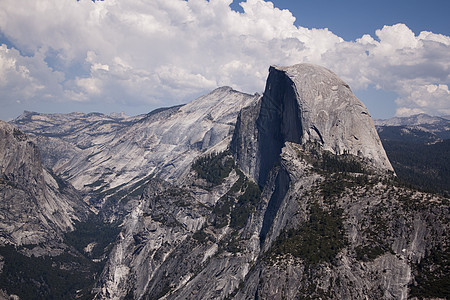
[[327, 162], [424, 166], [19, 135], [341, 172], [432, 279], [201, 237], [61, 277], [67, 276], [8, 183], [334, 186], [318, 240], [93, 230], [368, 253], [336, 183], [214, 168], [237, 210], [246, 204], [235, 206], [345, 163], [378, 229], [221, 211], [231, 243]]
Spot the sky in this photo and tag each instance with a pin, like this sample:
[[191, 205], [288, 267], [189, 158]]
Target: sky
[[133, 56]]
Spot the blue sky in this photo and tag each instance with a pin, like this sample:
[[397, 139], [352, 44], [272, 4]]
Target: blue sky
[[138, 55], [351, 19]]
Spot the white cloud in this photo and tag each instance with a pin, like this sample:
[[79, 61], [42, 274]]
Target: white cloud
[[164, 52], [25, 78], [430, 98], [398, 61]]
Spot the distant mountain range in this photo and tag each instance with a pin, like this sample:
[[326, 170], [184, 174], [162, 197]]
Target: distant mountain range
[[420, 119], [419, 150], [423, 127]]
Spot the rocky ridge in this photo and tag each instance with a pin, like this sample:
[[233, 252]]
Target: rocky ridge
[[418, 148], [303, 104], [420, 119]]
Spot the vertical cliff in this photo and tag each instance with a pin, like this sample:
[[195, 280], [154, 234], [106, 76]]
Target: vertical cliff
[[305, 104], [35, 206], [318, 215]]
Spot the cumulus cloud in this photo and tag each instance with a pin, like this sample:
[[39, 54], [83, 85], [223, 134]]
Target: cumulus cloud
[[401, 62], [429, 98], [164, 52], [25, 78]]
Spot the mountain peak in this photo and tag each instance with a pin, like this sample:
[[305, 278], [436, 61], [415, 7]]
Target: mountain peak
[[307, 103], [318, 73], [330, 113]]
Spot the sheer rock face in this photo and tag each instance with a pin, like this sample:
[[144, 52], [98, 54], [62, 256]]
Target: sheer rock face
[[306, 103], [373, 216], [34, 207]]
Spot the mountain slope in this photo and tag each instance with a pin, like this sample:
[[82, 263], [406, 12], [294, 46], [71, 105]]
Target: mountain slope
[[345, 235], [41, 218], [232, 196], [36, 206], [107, 160], [294, 209], [305, 104]]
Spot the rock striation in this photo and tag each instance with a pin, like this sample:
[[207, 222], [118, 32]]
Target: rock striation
[[99, 154], [326, 220]]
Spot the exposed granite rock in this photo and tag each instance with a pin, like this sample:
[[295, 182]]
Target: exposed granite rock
[[330, 221], [303, 104], [157, 251], [35, 206], [388, 230], [172, 248]]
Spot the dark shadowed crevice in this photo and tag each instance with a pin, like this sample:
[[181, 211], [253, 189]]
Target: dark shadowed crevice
[[318, 134], [270, 140], [291, 126], [282, 183]]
